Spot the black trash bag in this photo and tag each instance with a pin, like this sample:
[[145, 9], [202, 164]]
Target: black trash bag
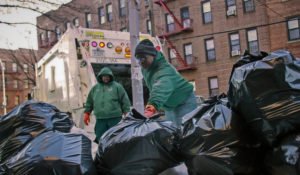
[[53, 153], [215, 141], [26, 121], [178, 170], [267, 94], [284, 159], [137, 146]]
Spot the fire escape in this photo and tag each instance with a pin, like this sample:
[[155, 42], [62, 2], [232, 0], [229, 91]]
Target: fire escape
[[181, 27]]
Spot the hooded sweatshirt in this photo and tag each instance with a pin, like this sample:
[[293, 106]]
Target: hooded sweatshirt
[[107, 100], [167, 87]]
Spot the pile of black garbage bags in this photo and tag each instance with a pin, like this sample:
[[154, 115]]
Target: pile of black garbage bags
[[253, 130], [35, 139]]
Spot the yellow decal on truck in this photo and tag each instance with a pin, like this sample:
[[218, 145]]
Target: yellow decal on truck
[[94, 35]]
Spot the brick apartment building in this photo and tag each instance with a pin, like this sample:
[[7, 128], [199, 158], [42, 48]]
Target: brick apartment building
[[202, 38], [19, 76]]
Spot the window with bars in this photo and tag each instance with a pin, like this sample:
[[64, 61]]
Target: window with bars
[[206, 12], [185, 17], [122, 8], [188, 53], [101, 15], [109, 13], [149, 29], [170, 23], [293, 28], [210, 49], [213, 86], [88, 19], [248, 5], [14, 67], [252, 41], [76, 22], [235, 47]]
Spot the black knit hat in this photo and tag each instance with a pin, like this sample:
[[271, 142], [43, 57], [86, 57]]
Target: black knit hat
[[145, 47]]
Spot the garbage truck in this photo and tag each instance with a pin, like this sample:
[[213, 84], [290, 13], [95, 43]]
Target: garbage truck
[[67, 72]]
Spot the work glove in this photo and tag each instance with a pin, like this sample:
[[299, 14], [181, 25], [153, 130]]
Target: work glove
[[87, 118], [150, 110]]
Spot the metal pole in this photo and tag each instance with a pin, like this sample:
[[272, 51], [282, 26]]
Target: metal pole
[[136, 74], [3, 86]]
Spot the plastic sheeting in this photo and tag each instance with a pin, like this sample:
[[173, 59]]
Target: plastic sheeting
[[53, 153], [211, 140], [26, 121], [265, 90], [137, 146], [284, 159]]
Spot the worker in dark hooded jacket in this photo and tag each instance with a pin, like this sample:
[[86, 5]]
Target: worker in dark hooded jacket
[[109, 101], [168, 89]]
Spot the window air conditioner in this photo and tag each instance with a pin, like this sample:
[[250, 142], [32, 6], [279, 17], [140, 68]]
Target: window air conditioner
[[235, 52]]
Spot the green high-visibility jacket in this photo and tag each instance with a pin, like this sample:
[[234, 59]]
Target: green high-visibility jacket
[[167, 87], [107, 100]]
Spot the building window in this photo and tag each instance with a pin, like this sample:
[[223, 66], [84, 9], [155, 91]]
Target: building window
[[122, 8], [213, 86], [188, 53], [206, 12], [146, 3], [252, 40], [68, 25], [171, 54], [76, 22], [124, 29], [109, 12], [15, 84], [194, 84], [170, 23], [42, 39], [48, 35], [293, 28], [149, 30], [88, 19], [14, 67], [235, 47], [57, 33], [26, 84], [101, 15], [231, 7], [185, 17], [25, 67], [17, 100], [210, 49], [248, 5]]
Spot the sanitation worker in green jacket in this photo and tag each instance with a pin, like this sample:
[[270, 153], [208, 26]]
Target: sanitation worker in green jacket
[[109, 100], [168, 89]]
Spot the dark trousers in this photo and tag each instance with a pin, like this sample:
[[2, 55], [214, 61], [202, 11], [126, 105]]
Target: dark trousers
[[102, 125]]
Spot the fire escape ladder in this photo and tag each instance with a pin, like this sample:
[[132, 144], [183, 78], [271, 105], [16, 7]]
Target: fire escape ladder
[[161, 2], [173, 49]]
